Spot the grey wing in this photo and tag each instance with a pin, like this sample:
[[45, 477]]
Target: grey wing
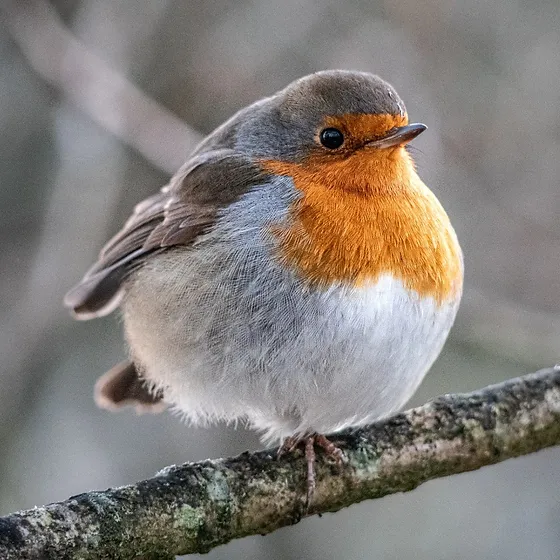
[[176, 215]]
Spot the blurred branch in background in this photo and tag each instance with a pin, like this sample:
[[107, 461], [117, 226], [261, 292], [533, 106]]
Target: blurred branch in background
[[107, 97], [198, 506]]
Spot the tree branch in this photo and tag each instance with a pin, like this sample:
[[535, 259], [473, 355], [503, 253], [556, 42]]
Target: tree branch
[[197, 506], [104, 94]]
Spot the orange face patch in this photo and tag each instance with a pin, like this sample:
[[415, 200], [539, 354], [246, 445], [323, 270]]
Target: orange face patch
[[358, 129], [365, 215]]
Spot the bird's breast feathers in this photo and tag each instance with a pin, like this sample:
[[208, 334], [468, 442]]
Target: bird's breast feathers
[[355, 221], [231, 316]]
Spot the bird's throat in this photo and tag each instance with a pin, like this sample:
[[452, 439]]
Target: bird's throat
[[365, 216]]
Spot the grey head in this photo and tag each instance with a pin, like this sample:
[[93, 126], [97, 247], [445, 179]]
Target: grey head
[[285, 125]]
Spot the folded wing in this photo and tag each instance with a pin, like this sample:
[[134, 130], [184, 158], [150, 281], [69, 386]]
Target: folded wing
[[177, 215]]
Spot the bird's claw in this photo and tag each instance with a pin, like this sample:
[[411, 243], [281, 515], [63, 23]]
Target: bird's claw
[[309, 442]]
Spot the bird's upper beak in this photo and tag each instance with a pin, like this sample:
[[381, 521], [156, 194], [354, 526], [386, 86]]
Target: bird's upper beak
[[398, 136]]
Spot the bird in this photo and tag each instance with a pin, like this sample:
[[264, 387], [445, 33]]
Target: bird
[[295, 274]]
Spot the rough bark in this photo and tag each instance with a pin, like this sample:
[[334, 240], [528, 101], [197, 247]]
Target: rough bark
[[197, 506]]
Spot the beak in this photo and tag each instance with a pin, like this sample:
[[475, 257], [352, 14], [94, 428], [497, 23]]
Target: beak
[[398, 136]]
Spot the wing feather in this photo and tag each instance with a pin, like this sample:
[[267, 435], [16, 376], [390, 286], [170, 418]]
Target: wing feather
[[176, 215]]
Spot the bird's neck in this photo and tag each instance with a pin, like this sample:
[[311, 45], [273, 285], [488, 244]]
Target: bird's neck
[[360, 219]]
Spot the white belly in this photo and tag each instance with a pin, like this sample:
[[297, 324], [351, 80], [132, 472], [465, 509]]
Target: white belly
[[283, 358]]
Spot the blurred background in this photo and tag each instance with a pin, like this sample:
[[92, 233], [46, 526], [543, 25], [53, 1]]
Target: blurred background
[[100, 101]]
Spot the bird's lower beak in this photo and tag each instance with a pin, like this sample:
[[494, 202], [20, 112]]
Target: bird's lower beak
[[398, 136]]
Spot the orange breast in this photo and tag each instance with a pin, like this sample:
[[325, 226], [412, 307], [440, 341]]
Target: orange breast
[[366, 215]]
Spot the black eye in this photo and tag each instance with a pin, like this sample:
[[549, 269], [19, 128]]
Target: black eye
[[331, 138]]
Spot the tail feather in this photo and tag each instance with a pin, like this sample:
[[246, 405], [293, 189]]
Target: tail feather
[[122, 386]]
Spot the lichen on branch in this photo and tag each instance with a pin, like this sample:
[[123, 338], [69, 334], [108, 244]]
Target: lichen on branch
[[197, 506]]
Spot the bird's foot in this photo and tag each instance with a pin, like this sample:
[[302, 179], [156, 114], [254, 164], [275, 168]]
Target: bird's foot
[[309, 442]]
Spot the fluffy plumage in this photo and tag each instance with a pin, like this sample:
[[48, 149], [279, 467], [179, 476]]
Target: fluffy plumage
[[275, 281], [230, 333]]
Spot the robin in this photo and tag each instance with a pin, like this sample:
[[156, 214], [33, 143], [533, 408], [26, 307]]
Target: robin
[[295, 273]]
